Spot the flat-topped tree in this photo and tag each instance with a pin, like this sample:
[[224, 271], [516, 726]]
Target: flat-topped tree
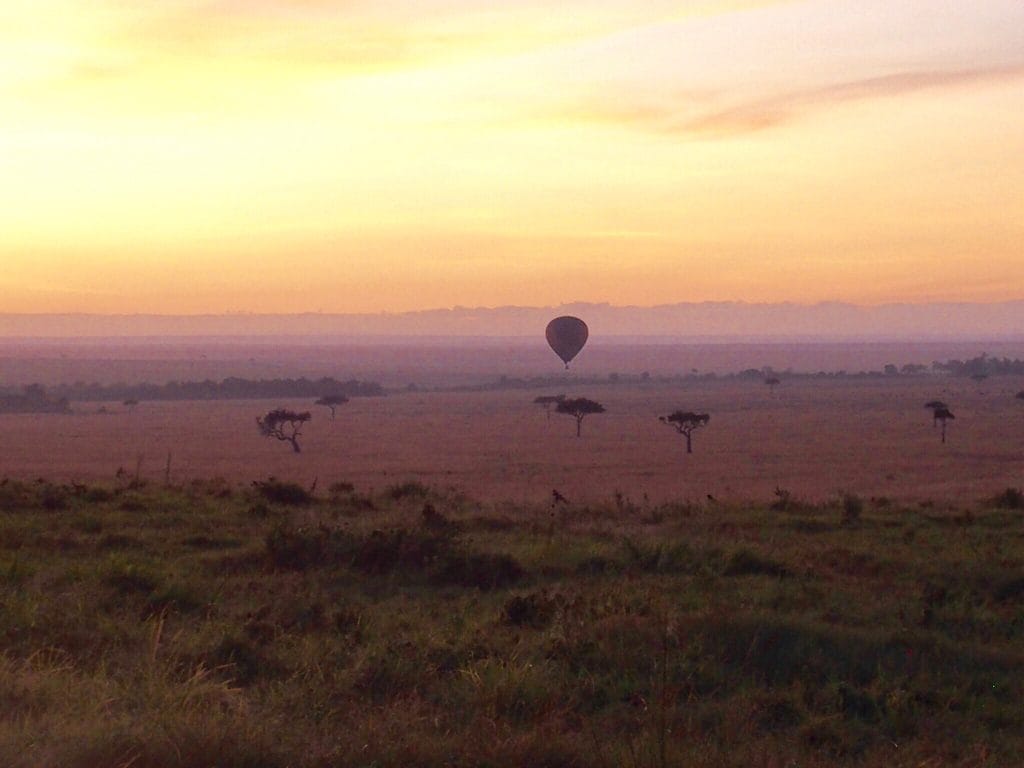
[[685, 422], [332, 402], [934, 406], [130, 404], [547, 401], [943, 415], [284, 425], [578, 408], [771, 382]]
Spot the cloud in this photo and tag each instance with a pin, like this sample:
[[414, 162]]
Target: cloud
[[692, 115]]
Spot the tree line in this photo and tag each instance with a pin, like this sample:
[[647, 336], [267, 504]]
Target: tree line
[[37, 399], [977, 367], [226, 389], [33, 399]]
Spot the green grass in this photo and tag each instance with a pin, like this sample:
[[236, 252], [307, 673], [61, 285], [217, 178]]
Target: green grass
[[215, 626]]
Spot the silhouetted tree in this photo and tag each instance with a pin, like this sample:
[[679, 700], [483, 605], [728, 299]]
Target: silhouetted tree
[[130, 404], [685, 422], [934, 406], [332, 402], [547, 401], [772, 383], [578, 408], [284, 425], [943, 415]]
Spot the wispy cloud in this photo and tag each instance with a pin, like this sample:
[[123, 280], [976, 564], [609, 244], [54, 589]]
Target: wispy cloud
[[691, 113]]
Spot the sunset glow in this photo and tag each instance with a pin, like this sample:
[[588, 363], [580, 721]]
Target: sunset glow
[[265, 155]]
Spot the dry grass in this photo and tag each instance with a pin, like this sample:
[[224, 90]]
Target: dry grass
[[816, 439]]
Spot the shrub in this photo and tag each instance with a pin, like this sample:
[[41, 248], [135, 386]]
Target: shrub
[[278, 492], [408, 490], [784, 501], [97, 494], [53, 498], [853, 506], [296, 549], [384, 552], [745, 562], [1011, 498], [534, 610], [484, 571]]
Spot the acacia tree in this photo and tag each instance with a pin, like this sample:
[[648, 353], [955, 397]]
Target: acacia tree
[[578, 408], [771, 382], [943, 415], [547, 401], [130, 404], [935, 406], [685, 422], [284, 425], [332, 402]]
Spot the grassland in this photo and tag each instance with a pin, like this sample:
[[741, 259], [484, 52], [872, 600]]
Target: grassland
[[220, 625], [816, 438]]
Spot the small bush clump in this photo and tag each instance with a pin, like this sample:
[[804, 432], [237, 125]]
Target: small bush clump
[[1011, 498], [853, 506], [279, 492], [408, 490], [745, 562], [533, 610]]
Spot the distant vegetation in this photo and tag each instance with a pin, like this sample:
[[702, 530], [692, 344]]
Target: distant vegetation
[[33, 399], [979, 368], [227, 389]]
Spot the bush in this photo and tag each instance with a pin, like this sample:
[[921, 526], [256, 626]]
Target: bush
[[534, 610], [53, 498], [784, 501], [384, 552], [484, 571], [278, 492], [1011, 498], [296, 549], [408, 490], [853, 506], [745, 562]]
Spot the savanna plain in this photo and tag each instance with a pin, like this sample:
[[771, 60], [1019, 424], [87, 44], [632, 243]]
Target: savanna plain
[[821, 582]]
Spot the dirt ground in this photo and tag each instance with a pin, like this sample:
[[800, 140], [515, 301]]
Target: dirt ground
[[814, 438]]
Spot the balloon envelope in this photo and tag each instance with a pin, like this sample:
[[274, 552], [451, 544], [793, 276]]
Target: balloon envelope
[[567, 335]]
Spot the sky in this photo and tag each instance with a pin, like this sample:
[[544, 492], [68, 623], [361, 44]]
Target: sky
[[207, 156]]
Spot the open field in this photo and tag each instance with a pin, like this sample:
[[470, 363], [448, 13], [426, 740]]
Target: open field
[[815, 438], [202, 626]]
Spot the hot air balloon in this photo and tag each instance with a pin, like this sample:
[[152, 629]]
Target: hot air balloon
[[567, 335]]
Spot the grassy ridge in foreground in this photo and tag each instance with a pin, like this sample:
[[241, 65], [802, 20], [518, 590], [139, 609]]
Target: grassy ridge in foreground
[[208, 625]]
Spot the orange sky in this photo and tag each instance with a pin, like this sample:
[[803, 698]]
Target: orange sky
[[266, 155]]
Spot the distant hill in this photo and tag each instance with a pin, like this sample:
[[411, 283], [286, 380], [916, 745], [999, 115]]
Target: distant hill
[[706, 320]]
